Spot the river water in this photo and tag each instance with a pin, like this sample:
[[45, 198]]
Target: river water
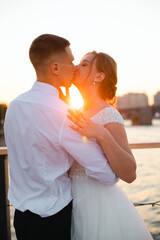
[[146, 188]]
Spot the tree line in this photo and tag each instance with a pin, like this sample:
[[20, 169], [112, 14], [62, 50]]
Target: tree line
[[3, 108]]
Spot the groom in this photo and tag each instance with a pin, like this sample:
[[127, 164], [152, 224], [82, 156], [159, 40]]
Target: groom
[[41, 147]]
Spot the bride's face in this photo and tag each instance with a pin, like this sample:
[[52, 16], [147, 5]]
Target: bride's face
[[86, 71]]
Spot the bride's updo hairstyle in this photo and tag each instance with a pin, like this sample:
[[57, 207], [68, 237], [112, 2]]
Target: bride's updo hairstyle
[[107, 65]]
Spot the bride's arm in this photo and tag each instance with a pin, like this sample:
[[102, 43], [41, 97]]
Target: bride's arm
[[115, 145], [113, 140]]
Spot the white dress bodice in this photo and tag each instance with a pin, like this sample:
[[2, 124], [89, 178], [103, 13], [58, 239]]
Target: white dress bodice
[[105, 116]]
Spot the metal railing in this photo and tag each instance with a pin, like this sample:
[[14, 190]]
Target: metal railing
[[5, 231], [145, 145]]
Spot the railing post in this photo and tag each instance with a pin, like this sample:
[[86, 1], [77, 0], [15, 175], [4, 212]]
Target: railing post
[[5, 232]]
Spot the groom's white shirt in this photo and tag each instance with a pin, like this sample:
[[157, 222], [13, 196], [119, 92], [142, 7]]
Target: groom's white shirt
[[40, 145]]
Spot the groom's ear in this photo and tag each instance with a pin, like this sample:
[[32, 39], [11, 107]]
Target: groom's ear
[[54, 67]]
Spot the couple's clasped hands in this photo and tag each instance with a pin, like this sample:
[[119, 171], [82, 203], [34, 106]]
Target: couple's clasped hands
[[84, 125]]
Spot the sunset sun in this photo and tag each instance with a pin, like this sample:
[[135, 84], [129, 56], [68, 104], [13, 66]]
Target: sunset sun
[[76, 100]]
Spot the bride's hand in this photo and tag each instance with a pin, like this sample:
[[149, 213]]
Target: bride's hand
[[84, 125]]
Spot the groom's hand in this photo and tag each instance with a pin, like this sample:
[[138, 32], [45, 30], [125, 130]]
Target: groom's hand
[[76, 113], [84, 125]]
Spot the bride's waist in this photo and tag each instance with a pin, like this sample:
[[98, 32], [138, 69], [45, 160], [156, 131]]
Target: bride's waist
[[77, 171]]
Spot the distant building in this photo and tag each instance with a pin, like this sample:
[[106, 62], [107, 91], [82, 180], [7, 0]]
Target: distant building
[[132, 100], [157, 99]]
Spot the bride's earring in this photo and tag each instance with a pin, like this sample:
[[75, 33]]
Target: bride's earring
[[95, 81]]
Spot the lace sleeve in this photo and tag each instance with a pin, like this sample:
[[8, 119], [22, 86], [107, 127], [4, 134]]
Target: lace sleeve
[[108, 115]]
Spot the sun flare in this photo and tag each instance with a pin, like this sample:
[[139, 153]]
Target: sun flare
[[76, 98]]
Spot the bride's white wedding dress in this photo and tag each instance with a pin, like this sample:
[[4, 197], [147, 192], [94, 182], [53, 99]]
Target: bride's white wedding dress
[[102, 212]]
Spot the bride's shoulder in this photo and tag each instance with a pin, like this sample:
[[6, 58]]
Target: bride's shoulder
[[108, 115]]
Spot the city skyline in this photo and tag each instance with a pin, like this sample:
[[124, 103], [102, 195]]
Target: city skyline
[[127, 30], [150, 101]]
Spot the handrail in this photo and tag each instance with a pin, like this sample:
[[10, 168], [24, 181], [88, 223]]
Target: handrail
[[145, 145], [3, 150]]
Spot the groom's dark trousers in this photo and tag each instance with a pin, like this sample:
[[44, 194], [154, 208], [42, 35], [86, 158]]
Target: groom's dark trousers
[[30, 226]]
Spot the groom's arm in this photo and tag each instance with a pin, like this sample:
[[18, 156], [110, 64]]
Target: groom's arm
[[88, 154]]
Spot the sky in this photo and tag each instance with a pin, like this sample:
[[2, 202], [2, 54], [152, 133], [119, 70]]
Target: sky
[[127, 30]]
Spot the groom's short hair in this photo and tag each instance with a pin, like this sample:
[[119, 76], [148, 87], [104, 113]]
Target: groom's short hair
[[44, 47]]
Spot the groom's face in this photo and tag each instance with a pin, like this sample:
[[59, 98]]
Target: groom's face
[[67, 69]]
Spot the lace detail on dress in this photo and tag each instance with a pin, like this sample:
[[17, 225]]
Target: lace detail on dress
[[108, 115], [77, 171], [103, 117]]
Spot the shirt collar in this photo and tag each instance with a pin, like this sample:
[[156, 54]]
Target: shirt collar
[[45, 88]]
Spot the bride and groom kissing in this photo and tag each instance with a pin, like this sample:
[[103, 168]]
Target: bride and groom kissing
[[63, 186]]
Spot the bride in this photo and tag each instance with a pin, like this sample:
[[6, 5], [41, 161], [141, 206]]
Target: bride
[[102, 212]]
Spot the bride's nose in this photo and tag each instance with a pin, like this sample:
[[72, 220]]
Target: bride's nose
[[75, 69]]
